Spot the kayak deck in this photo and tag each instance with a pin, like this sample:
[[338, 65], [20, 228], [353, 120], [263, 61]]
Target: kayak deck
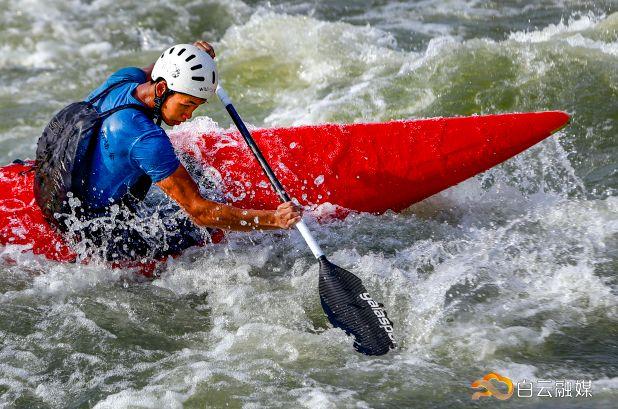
[[362, 167]]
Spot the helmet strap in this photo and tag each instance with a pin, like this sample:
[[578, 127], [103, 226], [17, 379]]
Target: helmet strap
[[158, 104]]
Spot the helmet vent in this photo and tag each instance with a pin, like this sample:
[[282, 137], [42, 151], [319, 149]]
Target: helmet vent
[[171, 50], [189, 58], [162, 55], [213, 77], [181, 51], [196, 67], [197, 78]]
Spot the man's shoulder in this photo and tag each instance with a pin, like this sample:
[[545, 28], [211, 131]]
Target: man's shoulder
[[128, 73], [131, 74]]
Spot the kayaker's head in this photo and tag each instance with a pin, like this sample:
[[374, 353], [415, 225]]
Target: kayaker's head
[[184, 77]]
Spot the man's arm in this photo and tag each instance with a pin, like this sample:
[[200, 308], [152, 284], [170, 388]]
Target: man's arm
[[183, 189]]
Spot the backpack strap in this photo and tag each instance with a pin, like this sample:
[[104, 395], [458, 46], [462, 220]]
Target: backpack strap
[[109, 88], [139, 107]]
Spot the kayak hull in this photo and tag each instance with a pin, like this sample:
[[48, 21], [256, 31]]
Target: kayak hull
[[370, 167], [362, 167], [21, 220]]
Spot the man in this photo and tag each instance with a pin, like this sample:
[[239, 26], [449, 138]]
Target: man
[[131, 151]]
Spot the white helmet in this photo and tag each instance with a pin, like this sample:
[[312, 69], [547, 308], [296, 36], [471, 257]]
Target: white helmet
[[187, 69]]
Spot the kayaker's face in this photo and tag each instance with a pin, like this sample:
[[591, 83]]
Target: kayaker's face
[[179, 108]]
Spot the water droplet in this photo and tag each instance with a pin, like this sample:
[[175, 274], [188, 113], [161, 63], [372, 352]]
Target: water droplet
[[319, 180]]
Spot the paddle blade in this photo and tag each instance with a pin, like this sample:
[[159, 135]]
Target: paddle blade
[[349, 307]]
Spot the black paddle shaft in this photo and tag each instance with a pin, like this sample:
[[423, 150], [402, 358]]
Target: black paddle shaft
[[258, 154]]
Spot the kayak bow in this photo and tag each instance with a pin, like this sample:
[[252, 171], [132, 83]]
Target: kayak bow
[[371, 167]]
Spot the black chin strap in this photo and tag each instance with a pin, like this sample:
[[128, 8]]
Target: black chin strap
[[158, 103]]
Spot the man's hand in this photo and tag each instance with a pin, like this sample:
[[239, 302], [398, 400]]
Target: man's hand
[[206, 47], [287, 215]]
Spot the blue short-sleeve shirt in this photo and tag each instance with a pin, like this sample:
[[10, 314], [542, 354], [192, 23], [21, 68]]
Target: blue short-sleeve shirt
[[129, 145]]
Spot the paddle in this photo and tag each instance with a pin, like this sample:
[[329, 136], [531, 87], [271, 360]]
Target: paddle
[[344, 299]]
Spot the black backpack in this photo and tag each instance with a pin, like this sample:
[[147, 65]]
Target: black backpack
[[63, 147]]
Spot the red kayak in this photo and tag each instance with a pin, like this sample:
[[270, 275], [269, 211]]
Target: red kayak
[[363, 167]]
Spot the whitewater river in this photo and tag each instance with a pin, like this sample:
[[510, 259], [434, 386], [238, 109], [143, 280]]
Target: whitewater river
[[513, 271]]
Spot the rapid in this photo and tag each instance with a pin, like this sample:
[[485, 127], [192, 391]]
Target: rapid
[[514, 271]]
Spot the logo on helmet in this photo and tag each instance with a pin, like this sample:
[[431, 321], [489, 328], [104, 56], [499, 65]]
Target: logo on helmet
[[174, 71]]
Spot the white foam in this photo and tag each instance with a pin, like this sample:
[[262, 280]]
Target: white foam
[[149, 397], [605, 384], [325, 397], [301, 44], [578, 40], [495, 265], [557, 31]]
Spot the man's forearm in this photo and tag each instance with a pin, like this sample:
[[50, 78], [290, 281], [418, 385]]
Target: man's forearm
[[227, 217], [182, 188]]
